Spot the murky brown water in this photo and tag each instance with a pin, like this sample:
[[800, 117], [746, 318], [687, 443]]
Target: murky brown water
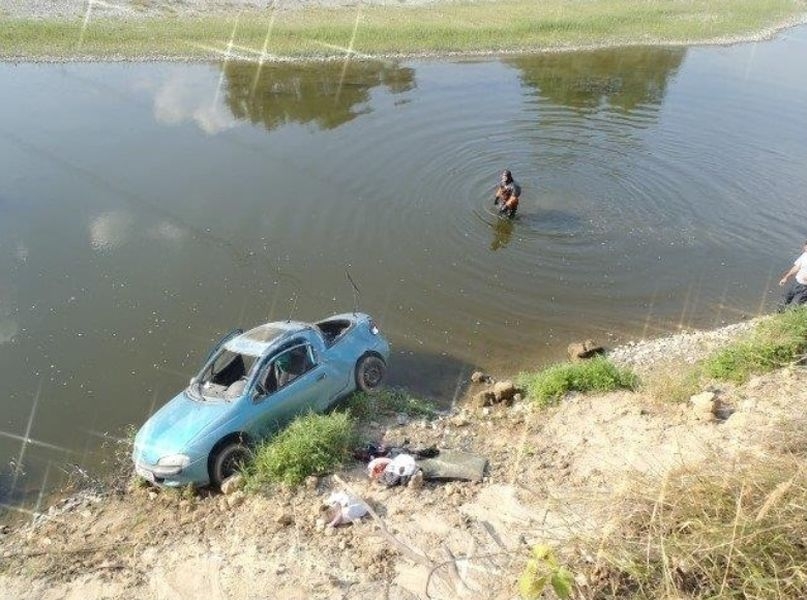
[[145, 209]]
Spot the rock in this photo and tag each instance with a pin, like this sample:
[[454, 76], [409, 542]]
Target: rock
[[582, 350], [503, 390], [311, 482], [152, 495], [480, 377], [484, 398], [232, 484], [459, 420], [517, 397], [320, 524], [402, 419], [416, 481], [235, 499], [754, 383], [705, 405], [285, 519]]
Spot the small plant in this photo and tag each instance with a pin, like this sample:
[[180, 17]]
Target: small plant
[[365, 406], [674, 383], [312, 445], [596, 375], [709, 531], [776, 342], [543, 568]]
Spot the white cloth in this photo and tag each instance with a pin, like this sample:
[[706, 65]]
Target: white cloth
[[352, 509], [403, 465], [801, 263]]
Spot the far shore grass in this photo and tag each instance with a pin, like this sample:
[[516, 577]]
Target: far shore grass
[[442, 28]]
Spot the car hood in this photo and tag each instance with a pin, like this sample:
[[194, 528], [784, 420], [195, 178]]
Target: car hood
[[172, 428]]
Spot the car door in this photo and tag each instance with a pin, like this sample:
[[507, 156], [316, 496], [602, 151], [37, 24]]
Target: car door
[[289, 384]]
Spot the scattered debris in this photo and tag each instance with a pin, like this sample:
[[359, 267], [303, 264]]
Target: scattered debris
[[232, 484], [341, 507]]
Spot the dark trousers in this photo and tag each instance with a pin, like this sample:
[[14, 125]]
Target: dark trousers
[[796, 294]]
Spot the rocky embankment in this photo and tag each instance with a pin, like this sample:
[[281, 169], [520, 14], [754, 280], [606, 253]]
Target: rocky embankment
[[554, 477]]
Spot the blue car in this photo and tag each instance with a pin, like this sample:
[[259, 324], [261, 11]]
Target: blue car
[[251, 385]]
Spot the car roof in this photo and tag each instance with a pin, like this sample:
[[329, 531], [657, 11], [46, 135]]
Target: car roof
[[257, 340]]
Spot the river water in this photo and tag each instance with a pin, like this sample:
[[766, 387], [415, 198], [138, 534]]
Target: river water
[[147, 208]]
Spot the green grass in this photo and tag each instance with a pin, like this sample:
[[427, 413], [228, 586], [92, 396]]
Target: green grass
[[388, 402], [311, 445], [596, 375], [712, 531], [776, 342], [482, 26]]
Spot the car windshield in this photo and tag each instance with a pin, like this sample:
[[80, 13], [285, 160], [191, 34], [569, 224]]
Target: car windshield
[[225, 376]]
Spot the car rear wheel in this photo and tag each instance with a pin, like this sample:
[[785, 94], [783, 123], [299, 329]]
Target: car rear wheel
[[370, 373], [229, 460]]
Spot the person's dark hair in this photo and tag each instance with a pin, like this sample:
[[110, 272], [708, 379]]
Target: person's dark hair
[[508, 176]]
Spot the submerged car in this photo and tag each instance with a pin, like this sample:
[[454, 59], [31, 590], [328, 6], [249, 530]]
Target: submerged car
[[251, 385]]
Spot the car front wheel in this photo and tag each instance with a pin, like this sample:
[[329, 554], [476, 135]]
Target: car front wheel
[[370, 373], [229, 460]]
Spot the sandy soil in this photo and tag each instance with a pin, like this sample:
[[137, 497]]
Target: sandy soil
[[554, 476]]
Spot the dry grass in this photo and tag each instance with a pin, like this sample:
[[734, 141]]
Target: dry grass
[[673, 383], [710, 531]]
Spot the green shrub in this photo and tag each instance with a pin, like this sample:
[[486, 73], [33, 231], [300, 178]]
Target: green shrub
[[776, 342], [596, 375], [312, 445], [387, 402]]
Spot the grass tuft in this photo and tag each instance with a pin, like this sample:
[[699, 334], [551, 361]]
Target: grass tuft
[[311, 445], [674, 383], [387, 402], [710, 532], [778, 341], [596, 375]]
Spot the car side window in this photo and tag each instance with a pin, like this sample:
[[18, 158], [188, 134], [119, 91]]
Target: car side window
[[288, 366]]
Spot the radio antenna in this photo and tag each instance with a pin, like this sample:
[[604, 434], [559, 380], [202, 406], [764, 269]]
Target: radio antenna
[[356, 292], [293, 306]]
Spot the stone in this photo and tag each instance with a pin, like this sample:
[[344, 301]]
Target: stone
[[232, 484], [320, 524], [517, 397], [311, 482], [416, 481], [402, 419], [478, 377], [284, 519], [705, 405], [459, 420], [504, 390], [484, 398], [235, 499], [583, 350]]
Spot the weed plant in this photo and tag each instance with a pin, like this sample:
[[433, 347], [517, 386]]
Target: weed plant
[[596, 375], [311, 445], [778, 341], [388, 402], [709, 531]]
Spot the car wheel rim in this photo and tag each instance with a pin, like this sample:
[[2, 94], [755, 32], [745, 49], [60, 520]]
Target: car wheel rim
[[372, 376], [232, 464]]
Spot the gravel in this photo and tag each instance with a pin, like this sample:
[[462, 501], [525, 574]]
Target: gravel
[[687, 347]]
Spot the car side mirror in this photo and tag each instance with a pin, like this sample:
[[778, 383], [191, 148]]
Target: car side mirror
[[260, 391]]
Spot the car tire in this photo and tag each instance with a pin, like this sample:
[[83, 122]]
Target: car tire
[[371, 370], [228, 461]]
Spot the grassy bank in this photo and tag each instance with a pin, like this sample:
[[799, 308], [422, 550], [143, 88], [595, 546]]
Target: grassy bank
[[509, 25]]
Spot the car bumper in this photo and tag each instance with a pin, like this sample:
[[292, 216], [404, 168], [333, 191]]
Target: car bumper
[[194, 474]]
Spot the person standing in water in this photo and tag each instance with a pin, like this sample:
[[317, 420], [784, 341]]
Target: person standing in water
[[507, 194], [797, 292]]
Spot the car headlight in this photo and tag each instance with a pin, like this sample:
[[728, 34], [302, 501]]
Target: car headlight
[[171, 464]]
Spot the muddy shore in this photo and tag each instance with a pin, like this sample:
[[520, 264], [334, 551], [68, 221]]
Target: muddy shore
[[554, 476]]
